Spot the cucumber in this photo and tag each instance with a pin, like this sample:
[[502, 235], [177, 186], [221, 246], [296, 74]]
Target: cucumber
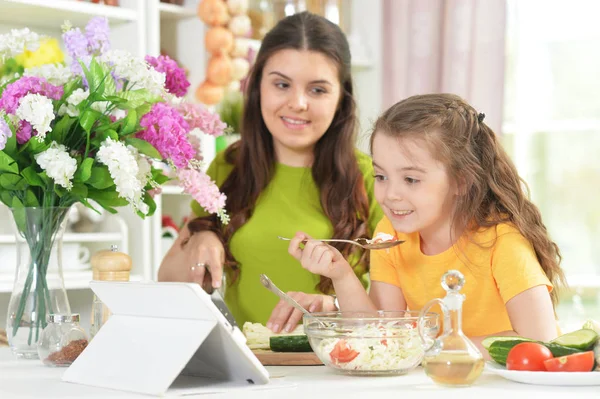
[[289, 343], [490, 340], [499, 349], [583, 339]]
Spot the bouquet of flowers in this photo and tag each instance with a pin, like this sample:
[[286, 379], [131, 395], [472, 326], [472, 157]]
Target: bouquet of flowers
[[94, 129]]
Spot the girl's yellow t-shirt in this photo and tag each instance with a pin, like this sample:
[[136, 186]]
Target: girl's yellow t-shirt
[[290, 203], [498, 263]]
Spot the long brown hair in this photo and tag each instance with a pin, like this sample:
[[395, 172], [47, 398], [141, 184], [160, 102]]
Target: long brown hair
[[474, 158], [334, 169]]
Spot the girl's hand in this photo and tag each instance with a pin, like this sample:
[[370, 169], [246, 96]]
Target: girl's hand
[[285, 317], [204, 257], [319, 258]]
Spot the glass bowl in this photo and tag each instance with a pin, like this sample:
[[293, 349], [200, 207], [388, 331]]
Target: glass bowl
[[369, 343]]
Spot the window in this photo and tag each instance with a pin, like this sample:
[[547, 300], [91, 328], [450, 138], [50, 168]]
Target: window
[[552, 132]]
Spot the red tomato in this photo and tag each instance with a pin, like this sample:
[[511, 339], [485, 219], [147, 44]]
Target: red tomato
[[342, 353], [577, 362], [529, 356]]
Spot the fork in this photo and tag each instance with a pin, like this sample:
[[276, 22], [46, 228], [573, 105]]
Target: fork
[[365, 243]]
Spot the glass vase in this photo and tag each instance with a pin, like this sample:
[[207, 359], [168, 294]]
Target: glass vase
[[38, 288]]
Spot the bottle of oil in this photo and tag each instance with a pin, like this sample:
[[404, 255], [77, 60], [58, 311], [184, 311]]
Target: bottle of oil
[[452, 359]]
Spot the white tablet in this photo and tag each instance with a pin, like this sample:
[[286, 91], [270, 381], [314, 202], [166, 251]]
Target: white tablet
[[165, 336]]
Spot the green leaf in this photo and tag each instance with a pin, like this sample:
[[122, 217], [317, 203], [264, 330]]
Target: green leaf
[[61, 129], [107, 198], [7, 164], [18, 212], [95, 77], [30, 199], [101, 136], [100, 178], [138, 97], [9, 181], [79, 191], [129, 123], [151, 205], [143, 109], [144, 147], [34, 146], [84, 172], [32, 177], [6, 197], [88, 118]]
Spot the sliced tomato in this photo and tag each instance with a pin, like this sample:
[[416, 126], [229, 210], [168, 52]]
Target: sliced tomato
[[528, 356], [583, 361], [342, 353]]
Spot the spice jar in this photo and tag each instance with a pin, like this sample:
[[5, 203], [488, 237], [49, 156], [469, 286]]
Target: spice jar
[[107, 265], [62, 340]]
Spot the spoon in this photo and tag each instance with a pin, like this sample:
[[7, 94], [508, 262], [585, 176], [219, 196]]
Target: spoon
[[365, 243], [274, 289]]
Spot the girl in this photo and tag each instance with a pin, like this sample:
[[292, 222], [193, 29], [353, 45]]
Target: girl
[[447, 187], [295, 167]]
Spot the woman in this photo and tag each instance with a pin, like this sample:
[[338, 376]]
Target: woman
[[295, 168]]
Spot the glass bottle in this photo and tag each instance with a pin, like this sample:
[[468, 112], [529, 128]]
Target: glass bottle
[[62, 340], [107, 265], [451, 359]]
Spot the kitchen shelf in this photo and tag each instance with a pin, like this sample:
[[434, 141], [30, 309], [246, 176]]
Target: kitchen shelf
[[74, 237], [74, 280], [172, 12], [52, 14]]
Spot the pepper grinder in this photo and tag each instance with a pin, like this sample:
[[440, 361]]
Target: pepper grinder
[[107, 265]]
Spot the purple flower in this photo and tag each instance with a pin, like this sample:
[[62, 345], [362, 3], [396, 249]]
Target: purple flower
[[167, 131], [5, 133], [97, 34], [24, 132], [175, 79], [27, 85], [75, 43]]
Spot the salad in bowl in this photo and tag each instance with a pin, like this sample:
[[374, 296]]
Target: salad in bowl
[[369, 343]]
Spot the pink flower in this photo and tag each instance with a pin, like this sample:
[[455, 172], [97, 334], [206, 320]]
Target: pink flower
[[15, 91], [202, 189], [167, 131], [24, 132], [198, 116], [175, 81]]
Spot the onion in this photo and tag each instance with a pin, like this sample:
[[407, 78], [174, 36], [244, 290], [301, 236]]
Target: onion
[[218, 40], [209, 93]]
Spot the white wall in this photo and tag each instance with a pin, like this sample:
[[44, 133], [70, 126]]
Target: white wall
[[366, 21]]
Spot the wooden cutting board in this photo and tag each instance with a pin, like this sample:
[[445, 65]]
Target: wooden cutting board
[[270, 358]]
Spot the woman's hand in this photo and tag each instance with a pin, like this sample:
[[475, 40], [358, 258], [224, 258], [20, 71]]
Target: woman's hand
[[319, 258], [194, 258], [287, 317]]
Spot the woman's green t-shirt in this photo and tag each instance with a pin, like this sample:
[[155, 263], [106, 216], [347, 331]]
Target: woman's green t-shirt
[[290, 203]]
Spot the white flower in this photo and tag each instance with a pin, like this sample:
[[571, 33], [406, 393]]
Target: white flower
[[136, 71], [58, 164], [70, 107], [124, 170], [5, 132], [56, 74], [17, 41], [37, 110]]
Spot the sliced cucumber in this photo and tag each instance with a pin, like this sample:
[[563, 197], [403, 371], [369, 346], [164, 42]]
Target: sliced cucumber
[[581, 339], [487, 342], [290, 343]]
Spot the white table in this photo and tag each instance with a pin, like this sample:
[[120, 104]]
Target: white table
[[31, 379]]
